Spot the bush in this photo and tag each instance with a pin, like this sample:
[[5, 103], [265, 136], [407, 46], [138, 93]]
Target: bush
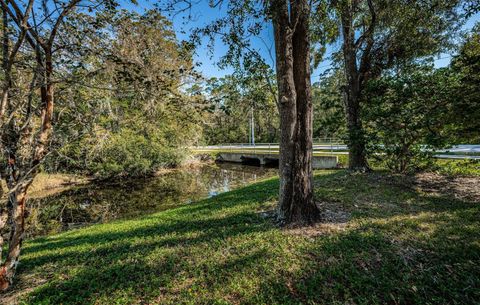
[[405, 118], [124, 153]]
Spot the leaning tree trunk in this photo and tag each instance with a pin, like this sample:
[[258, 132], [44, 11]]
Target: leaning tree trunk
[[17, 200], [5, 55], [20, 185], [296, 203], [19, 195]]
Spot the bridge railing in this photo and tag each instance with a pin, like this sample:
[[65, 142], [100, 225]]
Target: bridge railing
[[333, 146], [319, 144]]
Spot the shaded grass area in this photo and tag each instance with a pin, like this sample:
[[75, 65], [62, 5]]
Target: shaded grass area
[[399, 245]]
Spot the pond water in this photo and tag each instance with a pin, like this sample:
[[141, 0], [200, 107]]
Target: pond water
[[97, 203]]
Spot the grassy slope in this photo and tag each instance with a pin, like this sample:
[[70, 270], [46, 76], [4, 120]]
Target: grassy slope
[[399, 246]]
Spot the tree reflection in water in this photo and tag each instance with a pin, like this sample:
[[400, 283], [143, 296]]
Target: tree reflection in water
[[95, 203]]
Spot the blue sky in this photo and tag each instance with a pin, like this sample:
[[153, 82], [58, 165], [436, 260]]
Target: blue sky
[[202, 14]]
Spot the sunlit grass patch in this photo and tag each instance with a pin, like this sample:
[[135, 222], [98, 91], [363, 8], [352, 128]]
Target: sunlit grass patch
[[458, 167], [399, 244]]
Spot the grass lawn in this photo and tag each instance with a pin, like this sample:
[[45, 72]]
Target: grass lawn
[[458, 167], [385, 239]]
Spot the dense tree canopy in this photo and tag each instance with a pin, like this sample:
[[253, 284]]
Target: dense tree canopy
[[465, 120], [405, 116], [377, 36], [413, 109], [142, 114]]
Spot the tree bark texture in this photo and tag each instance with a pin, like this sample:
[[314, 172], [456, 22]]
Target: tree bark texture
[[291, 25], [352, 93]]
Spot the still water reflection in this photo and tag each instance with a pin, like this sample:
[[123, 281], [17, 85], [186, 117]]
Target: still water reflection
[[97, 203]]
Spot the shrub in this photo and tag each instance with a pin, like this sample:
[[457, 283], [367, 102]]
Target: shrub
[[405, 118]]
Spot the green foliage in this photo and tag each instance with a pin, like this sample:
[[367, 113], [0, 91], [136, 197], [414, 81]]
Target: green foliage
[[133, 110], [399, 246], [377, 36], [414, 110], [469, 167], [464, 122], [404, 117], [388, 34], [234, 99], [328, 107], [127, 152]]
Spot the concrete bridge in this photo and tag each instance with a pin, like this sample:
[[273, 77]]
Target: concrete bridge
[[318, 162]]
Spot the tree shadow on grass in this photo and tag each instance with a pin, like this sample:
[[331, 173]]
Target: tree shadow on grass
[[381, 195], [402, 247], [371, 264], [129, 253], [171, 279]]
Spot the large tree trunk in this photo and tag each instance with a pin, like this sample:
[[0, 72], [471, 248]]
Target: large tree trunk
[[352, 92], [296, 203], [356, 138]]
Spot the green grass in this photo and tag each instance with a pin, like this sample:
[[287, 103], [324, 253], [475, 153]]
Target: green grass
[[457, 167], [399, 246]]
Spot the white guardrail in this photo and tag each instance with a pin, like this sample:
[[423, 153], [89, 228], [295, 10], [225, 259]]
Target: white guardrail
[[332, 145]]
